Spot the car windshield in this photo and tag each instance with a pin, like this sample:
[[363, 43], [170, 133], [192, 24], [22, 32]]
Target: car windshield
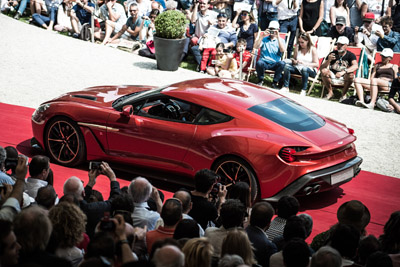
[[289, 114]]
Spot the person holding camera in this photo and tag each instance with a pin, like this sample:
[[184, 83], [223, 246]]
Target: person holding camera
[[80, 14], [366, 36], [272, 47], [94, 210], [338, 68], [207, 198], [223, 64], [4, 177]]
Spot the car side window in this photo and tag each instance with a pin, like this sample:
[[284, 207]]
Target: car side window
[[170, 109], [209, 116]]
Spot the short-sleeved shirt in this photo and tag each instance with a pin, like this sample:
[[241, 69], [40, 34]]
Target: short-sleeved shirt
[[270, 51], [118, 9], [132, 25], [248, 34], [246, 57], [341, 63], [395, 89], [370, 41], [202, 22], [82, 14]]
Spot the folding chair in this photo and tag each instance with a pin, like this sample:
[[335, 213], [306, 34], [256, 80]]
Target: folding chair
[[359, 52]]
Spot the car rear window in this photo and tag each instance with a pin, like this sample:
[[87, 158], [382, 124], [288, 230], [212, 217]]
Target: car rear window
[[289, 114]]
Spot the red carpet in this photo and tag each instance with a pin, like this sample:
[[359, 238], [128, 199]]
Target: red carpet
[[378, 192]]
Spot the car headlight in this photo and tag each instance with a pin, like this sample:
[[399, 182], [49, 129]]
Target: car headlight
[[39, 111]]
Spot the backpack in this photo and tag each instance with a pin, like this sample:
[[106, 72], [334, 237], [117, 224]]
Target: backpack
[[85, 33], [384, 105]]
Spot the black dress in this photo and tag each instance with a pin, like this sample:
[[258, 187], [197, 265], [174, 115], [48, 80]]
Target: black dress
[[311, 16]]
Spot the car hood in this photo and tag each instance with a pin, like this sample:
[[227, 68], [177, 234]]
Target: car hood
[[101, 95], [330, 135]]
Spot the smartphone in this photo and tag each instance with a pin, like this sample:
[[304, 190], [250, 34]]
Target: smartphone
[[94, 165]]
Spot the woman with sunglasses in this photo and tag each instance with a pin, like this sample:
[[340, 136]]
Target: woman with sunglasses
[[381, 79], [248, 27], [304, 62], [150, 30]]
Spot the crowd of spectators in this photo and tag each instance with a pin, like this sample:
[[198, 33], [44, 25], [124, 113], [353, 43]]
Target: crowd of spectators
[[219, 29], [207, 226]]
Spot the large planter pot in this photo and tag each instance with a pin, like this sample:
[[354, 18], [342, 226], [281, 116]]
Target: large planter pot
[[169, 52]]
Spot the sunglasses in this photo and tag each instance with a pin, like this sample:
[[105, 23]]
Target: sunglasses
[[223, 15], [133, 10], [152, 17], [244, 14]]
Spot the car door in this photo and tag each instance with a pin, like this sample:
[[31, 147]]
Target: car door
[[153, 135]]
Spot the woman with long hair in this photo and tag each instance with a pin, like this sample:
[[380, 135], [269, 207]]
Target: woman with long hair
[[237, 243], [341, 9], [248, 29], [304, 62], [311, 16], [381, 79], [198, 252]]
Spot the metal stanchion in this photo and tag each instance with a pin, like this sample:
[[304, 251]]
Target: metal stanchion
[[241, 64], [92, 28]]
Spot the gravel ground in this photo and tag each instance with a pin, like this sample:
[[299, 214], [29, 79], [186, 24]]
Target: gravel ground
[[37, 65]]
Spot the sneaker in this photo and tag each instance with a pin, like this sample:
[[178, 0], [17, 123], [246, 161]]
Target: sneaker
[[17, 16], [260, 83], [202, 71], [342, 98], [275, 86], [75, 35], [284, 90], [363, 105], [303, 93]]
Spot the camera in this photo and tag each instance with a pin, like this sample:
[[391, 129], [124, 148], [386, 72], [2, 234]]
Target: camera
[[360, 29], [94, 165], [10, 163], [106, 224], [214, 61], [215, 189]]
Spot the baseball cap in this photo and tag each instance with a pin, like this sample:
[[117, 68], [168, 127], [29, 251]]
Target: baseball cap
[[274, 24], [343, 40], [369, 16], [387, 52], [341, 20]]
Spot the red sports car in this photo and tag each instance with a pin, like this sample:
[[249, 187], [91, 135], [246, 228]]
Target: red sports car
[[242, 131]]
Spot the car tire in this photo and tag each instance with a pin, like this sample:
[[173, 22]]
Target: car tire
[[64, 142], [233, 169]]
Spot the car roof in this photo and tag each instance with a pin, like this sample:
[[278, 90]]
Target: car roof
[[220, 94]]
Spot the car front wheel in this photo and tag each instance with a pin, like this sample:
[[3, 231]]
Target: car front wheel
[[64, 142], [233, 169]]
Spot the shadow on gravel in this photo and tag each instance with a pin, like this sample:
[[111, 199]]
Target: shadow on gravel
[[146, 65]]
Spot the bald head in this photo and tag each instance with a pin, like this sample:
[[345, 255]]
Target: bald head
[[73, 185], [140, 190], [169, 255], [185, 199]]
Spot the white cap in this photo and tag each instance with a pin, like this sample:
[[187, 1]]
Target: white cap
[[387, 52], [273, 24], [343, 40]]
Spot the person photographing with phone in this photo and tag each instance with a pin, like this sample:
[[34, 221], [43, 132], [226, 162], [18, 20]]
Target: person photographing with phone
[[368, 35], [94, 210]]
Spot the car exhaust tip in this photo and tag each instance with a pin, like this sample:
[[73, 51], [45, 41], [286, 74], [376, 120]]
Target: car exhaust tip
[[316, 188], [308, 190]]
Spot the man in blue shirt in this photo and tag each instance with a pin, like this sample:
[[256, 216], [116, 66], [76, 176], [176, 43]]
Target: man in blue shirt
[[272, 47], [388, 39]]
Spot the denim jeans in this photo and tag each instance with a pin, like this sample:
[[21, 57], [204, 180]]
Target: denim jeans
[[265, 19], [40, 19], [196, 53], [305, 73], [289, 26], [262, 65], [22, 6]]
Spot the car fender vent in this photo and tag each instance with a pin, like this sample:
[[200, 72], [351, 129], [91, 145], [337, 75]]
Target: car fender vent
[[88, 97]]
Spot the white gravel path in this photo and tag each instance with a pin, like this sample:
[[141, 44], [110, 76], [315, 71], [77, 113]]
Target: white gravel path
[[37, 65]]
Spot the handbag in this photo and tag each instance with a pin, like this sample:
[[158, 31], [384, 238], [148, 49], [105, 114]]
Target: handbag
[[150, 46]]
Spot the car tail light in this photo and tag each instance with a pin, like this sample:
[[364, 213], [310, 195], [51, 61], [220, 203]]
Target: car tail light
[[287, 154], [351, 131]]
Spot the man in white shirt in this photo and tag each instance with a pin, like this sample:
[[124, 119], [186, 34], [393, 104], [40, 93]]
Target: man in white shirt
[[287, 17], [114, 15], [202, 19], [39, 169], [366, 35]]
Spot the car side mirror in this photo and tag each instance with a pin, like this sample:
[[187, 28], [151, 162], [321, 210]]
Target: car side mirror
[[127, 111]]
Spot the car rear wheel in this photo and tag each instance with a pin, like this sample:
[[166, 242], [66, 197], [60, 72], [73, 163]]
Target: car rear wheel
[[64, 142], [233, 169]]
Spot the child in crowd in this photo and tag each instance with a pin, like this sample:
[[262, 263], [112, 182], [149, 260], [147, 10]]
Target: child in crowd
[[222, 64], [246, 56]]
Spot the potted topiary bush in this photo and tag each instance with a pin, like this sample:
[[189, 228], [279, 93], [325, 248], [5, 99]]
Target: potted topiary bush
[[169, 40]]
